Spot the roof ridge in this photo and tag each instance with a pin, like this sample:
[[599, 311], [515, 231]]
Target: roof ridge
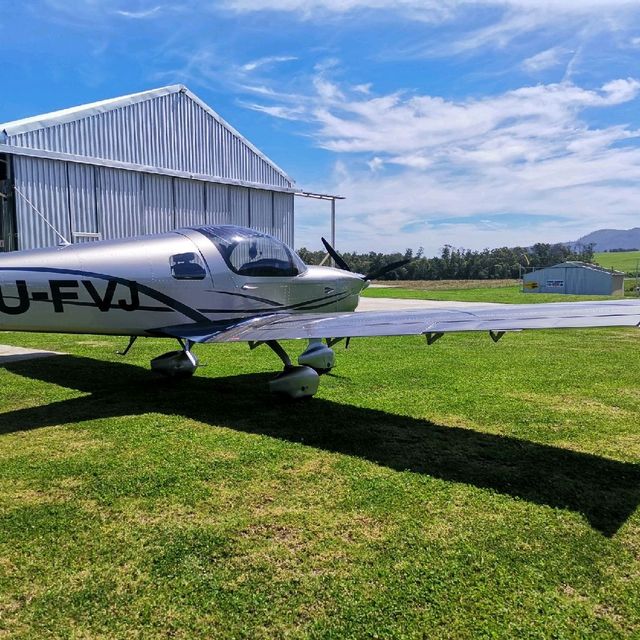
[[71, 114], [61, 116]]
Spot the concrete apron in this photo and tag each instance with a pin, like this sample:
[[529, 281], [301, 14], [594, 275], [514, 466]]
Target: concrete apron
[[406, 304]]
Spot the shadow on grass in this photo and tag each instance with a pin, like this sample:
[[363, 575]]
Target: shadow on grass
[[605, 491]]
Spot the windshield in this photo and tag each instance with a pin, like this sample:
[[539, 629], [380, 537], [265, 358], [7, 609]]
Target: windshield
[[251, 253]]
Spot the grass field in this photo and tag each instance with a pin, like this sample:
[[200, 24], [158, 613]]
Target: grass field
[[462, 490], [626, 261], [508, 291]]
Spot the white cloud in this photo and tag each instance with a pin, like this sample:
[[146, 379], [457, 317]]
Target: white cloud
[[284, 113], [434, 7], [544, 60], [139, 15], [406, 160], [399, 124], [266, 61], [503, 21], [363, 88]]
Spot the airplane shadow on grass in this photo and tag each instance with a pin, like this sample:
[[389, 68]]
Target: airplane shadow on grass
[[606, 492]]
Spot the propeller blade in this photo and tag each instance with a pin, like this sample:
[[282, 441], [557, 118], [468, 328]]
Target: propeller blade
[[387, 268], [335, 255]]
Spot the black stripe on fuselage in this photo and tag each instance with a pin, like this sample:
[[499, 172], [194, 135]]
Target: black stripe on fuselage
[[248, 297], [324, 300], [142, 288], [172, 303], [40, 297]]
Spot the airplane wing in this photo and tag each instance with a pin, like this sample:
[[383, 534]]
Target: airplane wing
[[431, 322]]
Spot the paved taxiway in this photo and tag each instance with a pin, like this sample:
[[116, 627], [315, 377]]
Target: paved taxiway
[[397, 304]]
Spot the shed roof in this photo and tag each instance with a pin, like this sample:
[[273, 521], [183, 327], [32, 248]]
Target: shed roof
[[31, 134], [577, 264]]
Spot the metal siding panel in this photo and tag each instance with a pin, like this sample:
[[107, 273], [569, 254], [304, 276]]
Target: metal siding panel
[[261, 210], [239, 206], [190, 210], [572, 282], [544, 275], [584, 281], [158, 204], [283, 207], [170, 131], [119, 203], [82, 198], [218, 204], [617, 286], [44, 183]]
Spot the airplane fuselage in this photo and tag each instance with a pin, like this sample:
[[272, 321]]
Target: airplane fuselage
[[139, 285]]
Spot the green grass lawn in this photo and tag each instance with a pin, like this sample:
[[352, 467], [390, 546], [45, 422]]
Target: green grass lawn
[[489, 293], [462, 490], [626, 261]]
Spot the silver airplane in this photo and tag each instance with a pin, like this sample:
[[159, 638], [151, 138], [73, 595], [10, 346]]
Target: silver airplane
[[212, 284]]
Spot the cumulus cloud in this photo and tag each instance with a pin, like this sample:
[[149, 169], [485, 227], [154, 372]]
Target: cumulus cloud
[[409, 159]]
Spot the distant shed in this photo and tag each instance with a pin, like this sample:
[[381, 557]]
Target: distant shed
[[143, 163], [577, 278]]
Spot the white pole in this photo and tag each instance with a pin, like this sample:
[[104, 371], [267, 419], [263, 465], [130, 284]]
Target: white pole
[[333, 227]]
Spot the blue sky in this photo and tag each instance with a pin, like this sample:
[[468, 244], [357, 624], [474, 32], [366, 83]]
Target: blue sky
[[476, 124]]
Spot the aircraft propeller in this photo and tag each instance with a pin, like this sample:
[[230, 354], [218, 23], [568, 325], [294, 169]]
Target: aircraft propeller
[[372, 275]]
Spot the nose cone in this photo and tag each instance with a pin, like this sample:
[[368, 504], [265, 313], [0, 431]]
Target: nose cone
[[343, 285], [352, 284]]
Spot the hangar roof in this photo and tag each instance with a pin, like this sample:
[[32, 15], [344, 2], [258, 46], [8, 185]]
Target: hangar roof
[[167, 128], [577, 264]]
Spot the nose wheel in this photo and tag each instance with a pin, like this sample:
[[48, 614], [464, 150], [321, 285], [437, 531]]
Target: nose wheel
[[299, 381], [318, 356]]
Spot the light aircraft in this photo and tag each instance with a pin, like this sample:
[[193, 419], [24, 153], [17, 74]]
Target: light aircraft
[[212, 284]]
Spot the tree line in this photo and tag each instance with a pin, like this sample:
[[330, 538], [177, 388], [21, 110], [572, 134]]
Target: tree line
[[461, 264]]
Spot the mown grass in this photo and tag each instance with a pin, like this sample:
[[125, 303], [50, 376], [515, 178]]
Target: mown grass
[[462, 490], [488, 292], [626, 261]]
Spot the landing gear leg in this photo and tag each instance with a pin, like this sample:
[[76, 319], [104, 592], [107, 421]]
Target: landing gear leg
[[295, 382], [132, 340], [176, 364]]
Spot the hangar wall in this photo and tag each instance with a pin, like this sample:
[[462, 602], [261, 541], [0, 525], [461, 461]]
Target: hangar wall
[[89, 202], [576, 278], [143, 163]]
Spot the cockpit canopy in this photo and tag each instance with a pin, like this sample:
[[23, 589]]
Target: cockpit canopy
[[250, 253]]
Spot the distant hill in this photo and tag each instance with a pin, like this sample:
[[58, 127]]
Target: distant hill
[[611, 239]]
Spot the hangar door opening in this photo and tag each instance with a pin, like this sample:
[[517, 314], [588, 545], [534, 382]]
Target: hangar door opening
[[7, 209]]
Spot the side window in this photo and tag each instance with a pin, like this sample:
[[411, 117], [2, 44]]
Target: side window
[[187, 266]]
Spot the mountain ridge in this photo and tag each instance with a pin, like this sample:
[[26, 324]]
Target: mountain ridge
[[611, 239]]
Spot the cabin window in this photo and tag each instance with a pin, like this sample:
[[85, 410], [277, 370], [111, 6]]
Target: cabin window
[[187, 266], [254, 254]]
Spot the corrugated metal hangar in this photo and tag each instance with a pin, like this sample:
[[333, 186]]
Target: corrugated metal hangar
[[579, 278], [143, 163]]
